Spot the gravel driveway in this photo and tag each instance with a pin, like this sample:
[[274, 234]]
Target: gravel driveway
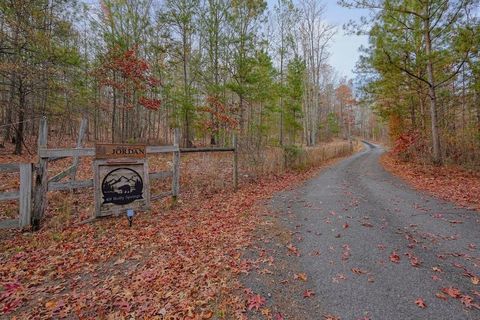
[[370, 247]]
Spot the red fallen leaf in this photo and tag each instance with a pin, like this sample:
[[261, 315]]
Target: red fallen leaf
[[265, 271], [436, 278], [452, 292], [455, 221], [300, 276], [420, 303], [279, 316], [293, 249], [467, 301], [330, 317], [394, 257], [358, 271], [458, 265], [308, 294], [256, 302], [345, 226], [338, 277], [440, 295], [414, 261]]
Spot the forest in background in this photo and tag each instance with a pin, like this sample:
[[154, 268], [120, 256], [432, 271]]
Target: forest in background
[[137, 69], [421, 74]]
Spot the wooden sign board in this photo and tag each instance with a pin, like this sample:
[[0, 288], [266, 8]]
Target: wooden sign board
[[120, 185], [118, 151]]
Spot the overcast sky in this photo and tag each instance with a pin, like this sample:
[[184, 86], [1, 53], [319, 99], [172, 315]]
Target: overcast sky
[[344, 49]]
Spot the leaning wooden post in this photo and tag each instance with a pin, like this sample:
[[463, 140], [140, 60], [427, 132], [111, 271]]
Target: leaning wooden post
[[25, 195], [176, 165], [41, 179], [235, 162]]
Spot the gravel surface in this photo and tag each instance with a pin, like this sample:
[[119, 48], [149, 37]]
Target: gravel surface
[[348, 224]]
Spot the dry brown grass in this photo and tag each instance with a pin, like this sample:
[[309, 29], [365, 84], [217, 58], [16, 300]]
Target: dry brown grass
[[201, 174]]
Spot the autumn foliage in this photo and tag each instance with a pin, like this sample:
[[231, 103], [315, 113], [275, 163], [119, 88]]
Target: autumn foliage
[[220, 115], [124, 71]]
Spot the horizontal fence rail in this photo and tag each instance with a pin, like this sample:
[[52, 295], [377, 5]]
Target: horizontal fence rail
[[90, 152]]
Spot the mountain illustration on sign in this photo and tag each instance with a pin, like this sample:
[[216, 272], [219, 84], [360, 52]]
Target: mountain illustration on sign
[[122, 186]]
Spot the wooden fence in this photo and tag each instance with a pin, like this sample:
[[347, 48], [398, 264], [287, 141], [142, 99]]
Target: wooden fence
[[33, 196], [23, 195]]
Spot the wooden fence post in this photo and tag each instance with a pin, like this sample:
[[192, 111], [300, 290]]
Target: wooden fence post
[[25, 201], [176, 165], [41, 177], [235, 162]]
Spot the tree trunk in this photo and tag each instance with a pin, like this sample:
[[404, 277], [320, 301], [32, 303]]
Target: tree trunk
[[21, 118], [436, 155]]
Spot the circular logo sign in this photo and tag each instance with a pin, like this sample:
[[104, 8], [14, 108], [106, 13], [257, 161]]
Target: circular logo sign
[[122, 186]]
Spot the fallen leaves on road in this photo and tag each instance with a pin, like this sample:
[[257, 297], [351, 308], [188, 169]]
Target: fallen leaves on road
[[255, 302], [293, 249], [452, 292], [300, 276], [420, 303], [437, 269], [394, 257], [308, 293], [358, 271]]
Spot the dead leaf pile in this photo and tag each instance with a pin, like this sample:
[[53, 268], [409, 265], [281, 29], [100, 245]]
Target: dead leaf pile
[[177, 263], [447, 182]]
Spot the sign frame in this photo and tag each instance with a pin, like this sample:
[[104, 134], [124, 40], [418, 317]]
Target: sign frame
[[111, 165], [120, 151]]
